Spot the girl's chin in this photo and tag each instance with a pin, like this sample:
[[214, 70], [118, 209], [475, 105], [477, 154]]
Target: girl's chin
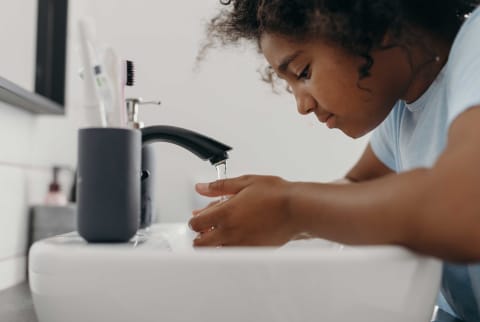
[[354, 134]]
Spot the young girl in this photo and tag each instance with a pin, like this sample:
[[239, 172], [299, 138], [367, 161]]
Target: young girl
[[408, 70]]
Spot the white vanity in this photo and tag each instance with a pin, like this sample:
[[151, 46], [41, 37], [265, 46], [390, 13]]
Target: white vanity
[[165, 279]]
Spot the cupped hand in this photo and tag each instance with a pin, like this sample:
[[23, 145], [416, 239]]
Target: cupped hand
[[255, 214]]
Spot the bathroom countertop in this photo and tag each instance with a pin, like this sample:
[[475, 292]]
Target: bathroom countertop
[[16, 304]]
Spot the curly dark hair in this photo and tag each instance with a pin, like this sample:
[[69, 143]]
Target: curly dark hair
[[357, 25]]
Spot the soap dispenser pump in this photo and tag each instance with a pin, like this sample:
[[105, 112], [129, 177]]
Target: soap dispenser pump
[[133, 105], [147, 214]]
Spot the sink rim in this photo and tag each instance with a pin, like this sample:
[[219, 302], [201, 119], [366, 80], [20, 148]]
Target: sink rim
[[58, 250]]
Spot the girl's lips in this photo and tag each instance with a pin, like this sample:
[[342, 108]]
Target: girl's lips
[[324, 117], [330, 121]]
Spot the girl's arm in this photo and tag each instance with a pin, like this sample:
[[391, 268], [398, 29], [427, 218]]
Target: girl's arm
[[434, 211], [367, 168]]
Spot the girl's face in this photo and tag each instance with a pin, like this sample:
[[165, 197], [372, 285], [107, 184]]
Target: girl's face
[[324, 80]]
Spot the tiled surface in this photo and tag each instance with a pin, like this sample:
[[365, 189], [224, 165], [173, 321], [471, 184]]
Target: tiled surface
[[13, 212], [15, 134], [15, 150], [13, 226]]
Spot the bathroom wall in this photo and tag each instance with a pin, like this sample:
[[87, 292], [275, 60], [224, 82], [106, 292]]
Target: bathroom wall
[[24, 171], [222, 97], [15, 138], [15, 143]]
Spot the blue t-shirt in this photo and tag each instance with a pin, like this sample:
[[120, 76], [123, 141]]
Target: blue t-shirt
[[414, 135]]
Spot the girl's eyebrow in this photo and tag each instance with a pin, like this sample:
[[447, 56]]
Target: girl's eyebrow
[[283, 67]]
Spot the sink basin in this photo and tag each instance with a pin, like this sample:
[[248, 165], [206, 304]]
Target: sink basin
[[163, 278]]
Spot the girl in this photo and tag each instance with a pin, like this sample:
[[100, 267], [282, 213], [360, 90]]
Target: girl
[[409, 71]]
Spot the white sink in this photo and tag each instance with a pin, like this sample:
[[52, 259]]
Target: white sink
[[165, 279]]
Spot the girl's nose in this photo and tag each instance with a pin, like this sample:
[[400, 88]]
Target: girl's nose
[[305, 104]]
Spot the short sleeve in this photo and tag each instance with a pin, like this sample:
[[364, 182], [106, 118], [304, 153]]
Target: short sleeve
[[463, 70], [384, 138], [474, 271]]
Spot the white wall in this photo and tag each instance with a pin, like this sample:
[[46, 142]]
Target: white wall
[[15, 142], [27, 145], [225, 100], [17, 37]]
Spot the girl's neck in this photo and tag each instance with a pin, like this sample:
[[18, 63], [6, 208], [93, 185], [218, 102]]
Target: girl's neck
[[427, 60]]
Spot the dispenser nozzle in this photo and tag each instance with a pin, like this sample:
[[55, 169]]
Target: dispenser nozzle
[[132, 110]]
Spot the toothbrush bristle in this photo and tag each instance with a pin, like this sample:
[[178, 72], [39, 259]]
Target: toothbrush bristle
[[130, 81]]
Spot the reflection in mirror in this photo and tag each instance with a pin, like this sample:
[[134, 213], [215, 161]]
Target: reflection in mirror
[[32, 69]]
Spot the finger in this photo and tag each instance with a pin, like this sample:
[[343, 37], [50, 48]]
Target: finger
[[210, 238], [223, 187], [211, 204], [204, 221]]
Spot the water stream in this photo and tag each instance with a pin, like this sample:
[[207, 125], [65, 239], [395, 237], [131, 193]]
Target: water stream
[[222, 174]]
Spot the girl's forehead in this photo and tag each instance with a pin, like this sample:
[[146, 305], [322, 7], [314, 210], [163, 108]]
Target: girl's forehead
[[270, 42], [275, 48]]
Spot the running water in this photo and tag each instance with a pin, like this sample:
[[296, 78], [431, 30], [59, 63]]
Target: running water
[[222, 174]]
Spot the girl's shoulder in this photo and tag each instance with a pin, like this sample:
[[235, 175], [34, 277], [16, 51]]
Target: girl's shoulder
[[469, 33]]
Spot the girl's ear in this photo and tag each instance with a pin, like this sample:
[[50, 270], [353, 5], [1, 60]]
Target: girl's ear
[[387, 39]]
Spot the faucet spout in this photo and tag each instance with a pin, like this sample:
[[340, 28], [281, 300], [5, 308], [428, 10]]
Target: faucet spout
[[202, 146]]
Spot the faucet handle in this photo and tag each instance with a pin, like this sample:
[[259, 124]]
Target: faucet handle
[[132, 110]]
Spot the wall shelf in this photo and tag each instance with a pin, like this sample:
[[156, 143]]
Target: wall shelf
[[15, 95]]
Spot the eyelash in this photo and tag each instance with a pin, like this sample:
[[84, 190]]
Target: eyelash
[[305, 74]]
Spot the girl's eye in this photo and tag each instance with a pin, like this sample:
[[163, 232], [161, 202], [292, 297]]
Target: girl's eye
[[305, 74]]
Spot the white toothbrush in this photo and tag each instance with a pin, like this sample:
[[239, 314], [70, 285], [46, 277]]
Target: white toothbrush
[[94, 109], [113, 66]]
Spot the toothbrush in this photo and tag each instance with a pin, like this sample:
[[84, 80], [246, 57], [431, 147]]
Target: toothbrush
[[94, 109], [105, 91], [129, 73], [118, 113], [128, 78]]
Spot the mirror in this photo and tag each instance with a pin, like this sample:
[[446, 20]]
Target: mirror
[[32, 70]]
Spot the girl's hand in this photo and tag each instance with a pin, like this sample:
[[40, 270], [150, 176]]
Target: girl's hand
[[255, 214]]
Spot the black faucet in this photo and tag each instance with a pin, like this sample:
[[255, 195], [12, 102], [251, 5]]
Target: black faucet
[[202, 146]]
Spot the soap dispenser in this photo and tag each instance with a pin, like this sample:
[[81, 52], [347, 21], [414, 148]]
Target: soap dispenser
[[147, 214], [55, 196]]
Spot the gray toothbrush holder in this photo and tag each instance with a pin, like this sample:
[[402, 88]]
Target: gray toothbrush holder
[[108, 184]]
